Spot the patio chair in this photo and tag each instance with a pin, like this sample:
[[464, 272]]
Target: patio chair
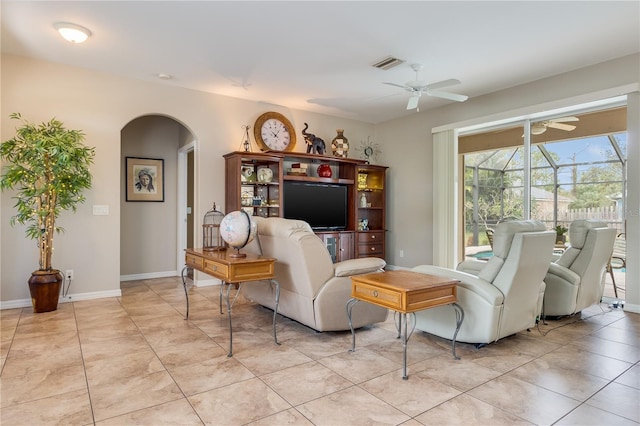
[[618, 259], [489, 233]]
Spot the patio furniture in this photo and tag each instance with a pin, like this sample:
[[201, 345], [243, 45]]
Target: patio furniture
[[489, 233], [618, 259]]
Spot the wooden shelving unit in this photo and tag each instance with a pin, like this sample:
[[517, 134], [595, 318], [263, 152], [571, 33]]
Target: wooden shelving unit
[[244, 190]]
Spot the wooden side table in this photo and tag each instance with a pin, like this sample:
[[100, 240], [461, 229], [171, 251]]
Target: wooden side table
[[231, 271], [404, 292]]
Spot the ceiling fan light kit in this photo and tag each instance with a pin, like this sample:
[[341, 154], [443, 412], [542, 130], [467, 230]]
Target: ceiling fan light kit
[[539, 127], [418, 87]]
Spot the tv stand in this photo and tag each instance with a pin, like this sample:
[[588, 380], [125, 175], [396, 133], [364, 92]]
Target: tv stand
[[254, 182]]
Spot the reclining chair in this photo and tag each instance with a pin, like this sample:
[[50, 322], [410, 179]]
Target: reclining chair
[[313, 290], [501, 296], [576, 280]]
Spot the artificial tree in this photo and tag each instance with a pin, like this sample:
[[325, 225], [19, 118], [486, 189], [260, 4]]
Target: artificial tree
[[48, 165]]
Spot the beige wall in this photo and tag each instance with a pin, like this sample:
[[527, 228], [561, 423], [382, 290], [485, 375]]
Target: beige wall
[[102, 105], [408, 143]]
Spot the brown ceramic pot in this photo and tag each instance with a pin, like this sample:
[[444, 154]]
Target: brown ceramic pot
[[45, 290]]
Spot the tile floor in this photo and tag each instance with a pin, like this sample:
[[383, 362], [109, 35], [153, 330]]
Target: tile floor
[[135, 360]]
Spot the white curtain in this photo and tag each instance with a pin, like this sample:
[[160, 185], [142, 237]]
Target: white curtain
[[445, 198]]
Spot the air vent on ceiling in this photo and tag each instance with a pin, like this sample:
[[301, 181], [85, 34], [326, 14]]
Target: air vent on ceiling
[[388, 63]]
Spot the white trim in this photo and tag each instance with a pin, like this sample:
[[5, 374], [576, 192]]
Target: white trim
[[150, 275], [206, 283], [25, 303], [181, 207], [576, 104]]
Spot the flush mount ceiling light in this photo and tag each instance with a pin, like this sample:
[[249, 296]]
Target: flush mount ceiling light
[[71, 32]]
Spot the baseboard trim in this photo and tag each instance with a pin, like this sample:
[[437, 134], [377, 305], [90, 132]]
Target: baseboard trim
[[149, 275], [25, 303], [198, 283]]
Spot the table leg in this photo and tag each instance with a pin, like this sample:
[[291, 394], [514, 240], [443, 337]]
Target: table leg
[[459, 319], [397, 320], [275, 311], [349, 306], [184, 285], [230, 354], [220, 297], [405, 340]]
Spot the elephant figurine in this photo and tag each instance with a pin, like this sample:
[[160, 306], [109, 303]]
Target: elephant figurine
[[314, 143]]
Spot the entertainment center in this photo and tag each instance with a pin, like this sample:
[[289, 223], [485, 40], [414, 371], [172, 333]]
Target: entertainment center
[[344, 201]]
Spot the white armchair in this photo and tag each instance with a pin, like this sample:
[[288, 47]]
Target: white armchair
[[501, 296], [313, 290], [576, 280]]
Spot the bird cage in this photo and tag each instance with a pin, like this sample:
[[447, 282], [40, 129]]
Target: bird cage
[[211, 238]]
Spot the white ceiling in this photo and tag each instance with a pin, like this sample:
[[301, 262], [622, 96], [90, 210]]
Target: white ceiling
[[317, 56]]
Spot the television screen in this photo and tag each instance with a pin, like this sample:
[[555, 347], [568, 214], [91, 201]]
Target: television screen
[[322, 206]]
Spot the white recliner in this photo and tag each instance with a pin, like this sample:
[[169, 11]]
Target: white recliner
[[576, 280], [501, 296], [313, 290]]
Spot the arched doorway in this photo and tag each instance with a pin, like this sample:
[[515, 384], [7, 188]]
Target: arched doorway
[[149, 229]]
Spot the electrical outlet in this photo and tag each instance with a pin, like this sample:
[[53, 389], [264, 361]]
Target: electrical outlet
[[69, 274], [401, 253]]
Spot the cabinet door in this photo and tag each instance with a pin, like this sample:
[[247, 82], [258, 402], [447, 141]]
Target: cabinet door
[[340, 245], [346, 249], [253, 184], [331, 242]]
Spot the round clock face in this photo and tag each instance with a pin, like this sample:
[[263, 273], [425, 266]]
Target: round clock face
[[274, 132]]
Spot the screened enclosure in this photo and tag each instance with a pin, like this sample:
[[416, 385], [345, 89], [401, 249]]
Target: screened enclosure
[[573, 174]]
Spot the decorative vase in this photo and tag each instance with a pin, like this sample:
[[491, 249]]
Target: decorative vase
[[340, 145], [324, 170], [44, 287]]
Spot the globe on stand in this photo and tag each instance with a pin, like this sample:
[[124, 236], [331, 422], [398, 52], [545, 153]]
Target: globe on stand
[[238, 230]]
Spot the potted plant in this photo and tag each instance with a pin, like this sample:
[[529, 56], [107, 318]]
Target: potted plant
[[561, 230], [49, 167]]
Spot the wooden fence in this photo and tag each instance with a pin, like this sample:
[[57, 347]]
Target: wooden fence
[[611, 215]]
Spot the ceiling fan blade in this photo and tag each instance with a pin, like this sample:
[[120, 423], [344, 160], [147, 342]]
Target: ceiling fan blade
[[397, 85], [447, 95], [567, 127], [564, 119], [443, 83], [413, 101]]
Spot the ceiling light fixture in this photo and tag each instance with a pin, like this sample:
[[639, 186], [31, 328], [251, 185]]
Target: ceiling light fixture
[[71, 32]]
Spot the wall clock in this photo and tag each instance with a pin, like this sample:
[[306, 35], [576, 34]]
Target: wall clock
[[274, 132]]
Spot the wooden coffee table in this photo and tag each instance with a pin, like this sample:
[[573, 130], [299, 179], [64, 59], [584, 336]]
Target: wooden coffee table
[[404, 292]]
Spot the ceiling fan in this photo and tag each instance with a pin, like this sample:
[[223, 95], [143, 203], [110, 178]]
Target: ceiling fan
[[417, 87], [539, 127]]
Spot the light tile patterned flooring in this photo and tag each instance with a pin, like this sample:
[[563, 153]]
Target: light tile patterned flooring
[[135, 360]]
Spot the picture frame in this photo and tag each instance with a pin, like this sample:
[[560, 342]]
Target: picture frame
[[144, 179]]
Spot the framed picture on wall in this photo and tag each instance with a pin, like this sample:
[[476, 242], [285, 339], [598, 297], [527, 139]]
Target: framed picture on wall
[[145, 179]]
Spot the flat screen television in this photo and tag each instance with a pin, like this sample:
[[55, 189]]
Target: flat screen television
[[323, 206]]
